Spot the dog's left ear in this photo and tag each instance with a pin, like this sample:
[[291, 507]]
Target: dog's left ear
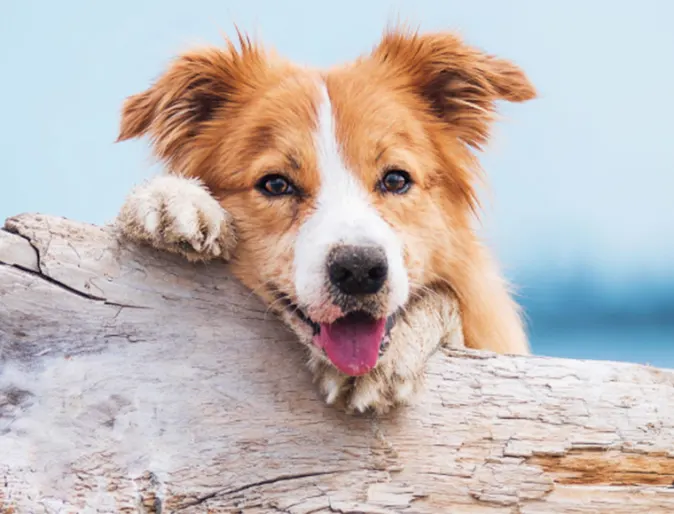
[[458, 83]]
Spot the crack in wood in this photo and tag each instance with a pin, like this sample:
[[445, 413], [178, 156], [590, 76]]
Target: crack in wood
[[43, 276], [252, 485]]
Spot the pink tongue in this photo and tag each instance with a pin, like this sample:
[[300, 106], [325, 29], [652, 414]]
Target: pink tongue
[[352, 343]]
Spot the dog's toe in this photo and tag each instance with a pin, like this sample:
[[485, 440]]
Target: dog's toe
[[179, 215], [379, 392], [331, 383]]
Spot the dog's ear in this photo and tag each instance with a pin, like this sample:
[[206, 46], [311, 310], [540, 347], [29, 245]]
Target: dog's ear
[[177, 109], [459, 83]]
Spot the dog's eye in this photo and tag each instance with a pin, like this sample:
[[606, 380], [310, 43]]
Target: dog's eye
[[396, 181], [275, 185]]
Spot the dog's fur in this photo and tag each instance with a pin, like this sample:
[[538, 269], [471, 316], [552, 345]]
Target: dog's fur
[[221, 119]]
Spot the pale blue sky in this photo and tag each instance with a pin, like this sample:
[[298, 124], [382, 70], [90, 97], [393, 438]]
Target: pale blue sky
[[583, 176]]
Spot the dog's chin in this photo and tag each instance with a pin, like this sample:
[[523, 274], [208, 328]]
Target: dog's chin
[[352, 343]]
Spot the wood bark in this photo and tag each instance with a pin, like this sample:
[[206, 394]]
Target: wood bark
[[132, 381]]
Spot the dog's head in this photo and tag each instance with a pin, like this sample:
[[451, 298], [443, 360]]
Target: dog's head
[[351, 188]]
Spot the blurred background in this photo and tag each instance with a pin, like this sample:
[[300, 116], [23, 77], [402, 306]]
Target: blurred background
[[581, 205]]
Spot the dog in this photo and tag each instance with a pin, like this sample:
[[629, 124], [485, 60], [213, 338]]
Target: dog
[[344, 198]]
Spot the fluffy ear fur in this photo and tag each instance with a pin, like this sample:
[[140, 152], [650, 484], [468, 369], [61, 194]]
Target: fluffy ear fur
[[459, 83], [177, 109]]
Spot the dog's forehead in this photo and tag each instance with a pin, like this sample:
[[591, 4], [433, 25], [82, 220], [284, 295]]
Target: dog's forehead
[[375, 123], [365, 113], [354, 115]]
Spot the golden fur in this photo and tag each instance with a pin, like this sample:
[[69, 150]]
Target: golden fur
[[424, 103]]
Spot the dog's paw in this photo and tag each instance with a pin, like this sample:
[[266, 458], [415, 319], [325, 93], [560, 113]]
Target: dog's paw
[[380, 390], [179, 215]]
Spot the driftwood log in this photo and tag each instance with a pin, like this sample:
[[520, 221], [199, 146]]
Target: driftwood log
[[134, 382]]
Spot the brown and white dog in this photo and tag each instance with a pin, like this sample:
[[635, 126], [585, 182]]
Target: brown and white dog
[[342, 197]]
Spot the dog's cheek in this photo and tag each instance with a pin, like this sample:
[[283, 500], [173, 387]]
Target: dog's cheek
[[412, 246], [274, 262]]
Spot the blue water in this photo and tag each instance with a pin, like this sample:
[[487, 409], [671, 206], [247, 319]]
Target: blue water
[[645, 344]]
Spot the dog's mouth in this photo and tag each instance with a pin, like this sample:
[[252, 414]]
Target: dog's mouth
[[353, 343]]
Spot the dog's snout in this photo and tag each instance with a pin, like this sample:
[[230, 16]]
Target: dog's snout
[[358, 270]]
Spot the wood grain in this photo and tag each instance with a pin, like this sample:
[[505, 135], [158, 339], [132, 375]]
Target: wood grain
[[134, 382]]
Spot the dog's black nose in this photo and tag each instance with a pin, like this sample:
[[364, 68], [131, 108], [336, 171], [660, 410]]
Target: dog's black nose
[[357, 270]]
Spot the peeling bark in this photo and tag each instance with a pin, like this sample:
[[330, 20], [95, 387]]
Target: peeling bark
[[134, 382]]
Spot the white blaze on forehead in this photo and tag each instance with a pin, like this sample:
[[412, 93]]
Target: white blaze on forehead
[[343, 214]]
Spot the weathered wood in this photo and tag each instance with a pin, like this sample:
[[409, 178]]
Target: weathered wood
[[132, 381]]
